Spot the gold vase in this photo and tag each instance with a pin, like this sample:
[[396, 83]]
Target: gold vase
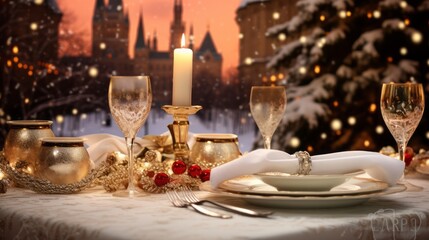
[[62, 160], [213, 149], [23, 142]]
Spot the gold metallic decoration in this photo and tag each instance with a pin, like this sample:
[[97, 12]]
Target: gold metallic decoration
[[45, 186], [23, 141], [179, 129], [62, 160], [211, 150]]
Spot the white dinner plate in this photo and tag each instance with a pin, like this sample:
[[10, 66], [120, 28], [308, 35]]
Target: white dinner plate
[[288, 182], [303, 201], [253, 185]]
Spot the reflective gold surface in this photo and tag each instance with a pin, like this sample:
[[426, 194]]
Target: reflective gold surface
[[62, 160], [179, 128], [211, 150], [23, 141]]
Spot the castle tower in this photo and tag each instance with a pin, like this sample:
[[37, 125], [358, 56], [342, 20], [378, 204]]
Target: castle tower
[[155, 42], [141, 50], [110, 30], [207, 58], [191, 37], [177, 26]]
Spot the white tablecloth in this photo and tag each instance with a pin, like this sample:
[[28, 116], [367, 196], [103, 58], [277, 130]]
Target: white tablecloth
[[95, 214]]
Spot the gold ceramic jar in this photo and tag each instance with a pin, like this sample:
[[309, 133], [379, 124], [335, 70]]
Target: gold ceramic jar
[[23, 141], [213, 149], [63, 160]]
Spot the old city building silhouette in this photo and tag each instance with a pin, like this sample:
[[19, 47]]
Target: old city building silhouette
[[110, 48]]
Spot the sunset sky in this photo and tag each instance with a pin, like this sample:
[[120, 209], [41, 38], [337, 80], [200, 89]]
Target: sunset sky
[[217, 16]]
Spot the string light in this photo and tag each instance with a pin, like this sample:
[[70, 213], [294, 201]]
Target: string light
[[317, 69], [376, 14], [322, 18], [336, 124], [240, 36], [303, 39], [403, 4], [379, 129], [302, 70], [323, 136], [281, 76], [59, 119], [102, 46], [9, 63], [407, 22], [366, 143], [349, 14], [93, 72], [369, 15], [351, 120], [15, 59], [282, 37], [373, 107], [33, 26], [248, 61], [75, 111], [38, 2], [401, 25], [15, 49], [335, 103], [427, 135], [403, 51], [295, 142], [273, 78], [26, 100], [416, 37], [276, 15], [389, 59], [321, 42], [342, 14]]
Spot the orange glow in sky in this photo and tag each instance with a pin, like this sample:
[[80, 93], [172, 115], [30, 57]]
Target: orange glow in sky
[[216, 16]]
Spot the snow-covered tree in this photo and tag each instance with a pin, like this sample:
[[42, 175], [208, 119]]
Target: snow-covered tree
[[338, 54]]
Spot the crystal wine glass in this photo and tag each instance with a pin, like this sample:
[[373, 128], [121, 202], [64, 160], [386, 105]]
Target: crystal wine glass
[[402, 106], [130, 99], [268, 105]]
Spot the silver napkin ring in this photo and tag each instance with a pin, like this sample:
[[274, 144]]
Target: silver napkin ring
[[304, 161]]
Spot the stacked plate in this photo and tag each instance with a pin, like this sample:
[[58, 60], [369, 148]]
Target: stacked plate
[[310, 191]]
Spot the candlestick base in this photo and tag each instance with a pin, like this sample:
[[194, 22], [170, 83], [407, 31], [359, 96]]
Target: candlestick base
[[179, 129]]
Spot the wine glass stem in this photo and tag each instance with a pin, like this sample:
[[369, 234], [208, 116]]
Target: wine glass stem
[[267, 142], [401, 150], [130, 143]]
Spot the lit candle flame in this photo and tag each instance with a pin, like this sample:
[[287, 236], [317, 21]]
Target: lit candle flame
[[183, 40]]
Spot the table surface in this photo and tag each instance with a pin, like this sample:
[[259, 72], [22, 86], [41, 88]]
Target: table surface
[[95, 214]]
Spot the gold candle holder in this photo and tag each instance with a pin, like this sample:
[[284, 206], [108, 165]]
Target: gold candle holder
[[179, 128]]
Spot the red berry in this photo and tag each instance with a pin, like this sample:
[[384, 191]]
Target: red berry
[[205, 175], [408, 158], [161, 179], [194, 171], [178, 167]]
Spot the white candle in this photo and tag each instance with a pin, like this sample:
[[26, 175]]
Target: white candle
[[182, 75]]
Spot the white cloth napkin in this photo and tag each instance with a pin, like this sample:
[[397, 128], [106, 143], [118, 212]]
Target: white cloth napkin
[[99, 146], [376, 165]]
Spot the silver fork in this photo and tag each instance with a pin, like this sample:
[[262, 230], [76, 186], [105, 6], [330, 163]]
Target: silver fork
[[190, 197], [178, 202]]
